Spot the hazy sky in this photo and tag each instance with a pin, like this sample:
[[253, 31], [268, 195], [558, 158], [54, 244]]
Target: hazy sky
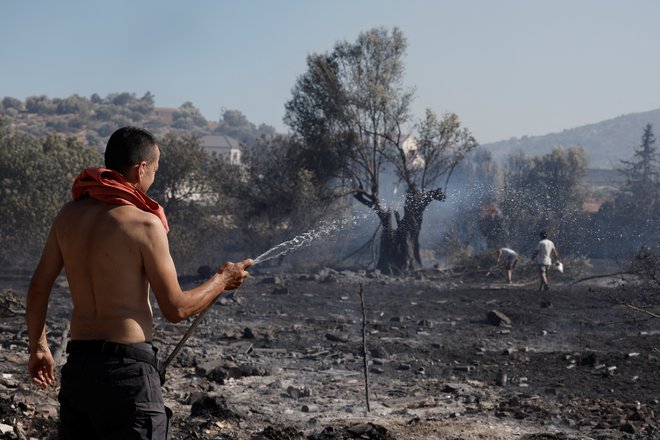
[[507, 68]]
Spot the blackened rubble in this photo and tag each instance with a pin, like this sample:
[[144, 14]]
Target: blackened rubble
[[287, 364]]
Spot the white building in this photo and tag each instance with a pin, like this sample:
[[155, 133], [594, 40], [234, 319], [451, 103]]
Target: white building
[[223, 146]]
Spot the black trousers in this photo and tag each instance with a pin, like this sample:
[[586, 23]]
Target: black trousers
[[107, 397]]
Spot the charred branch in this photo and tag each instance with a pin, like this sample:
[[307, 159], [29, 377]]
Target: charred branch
[[642, 310], [365, 198]]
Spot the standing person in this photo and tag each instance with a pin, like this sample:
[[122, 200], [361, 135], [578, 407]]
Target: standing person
[[510, 260], [544, 253], [112, 242]]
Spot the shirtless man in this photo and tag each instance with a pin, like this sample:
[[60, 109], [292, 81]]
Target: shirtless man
[[112, 252]]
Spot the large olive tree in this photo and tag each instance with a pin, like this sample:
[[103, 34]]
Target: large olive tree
[[351, 108]]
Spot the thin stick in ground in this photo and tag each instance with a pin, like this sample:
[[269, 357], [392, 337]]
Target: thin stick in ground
[[364, 349]]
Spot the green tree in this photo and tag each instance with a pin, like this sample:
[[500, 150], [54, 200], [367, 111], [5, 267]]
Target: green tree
[[74, 104], [121, 99], [183, 187], [276, 196], [544, 193], [235, 124], [642, 174], [36, 174], [96, 99], [352, 110], [42, 105], [148, 99], [616, 230], [188, 116], [181, 173], [12, 105]]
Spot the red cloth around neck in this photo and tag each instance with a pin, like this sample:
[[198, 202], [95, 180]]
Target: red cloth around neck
[[109, 186]]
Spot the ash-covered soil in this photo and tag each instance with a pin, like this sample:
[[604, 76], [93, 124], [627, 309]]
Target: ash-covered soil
[[449, 356]]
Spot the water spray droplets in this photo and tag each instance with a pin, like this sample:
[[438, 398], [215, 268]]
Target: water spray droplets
[[325, 230]]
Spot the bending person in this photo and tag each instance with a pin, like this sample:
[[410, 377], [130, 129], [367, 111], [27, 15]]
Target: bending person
[[510, 259]]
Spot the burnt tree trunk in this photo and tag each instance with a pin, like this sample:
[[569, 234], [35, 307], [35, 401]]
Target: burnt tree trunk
[[399, 243]]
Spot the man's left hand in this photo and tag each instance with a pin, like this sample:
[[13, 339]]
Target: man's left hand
[[42, 368]]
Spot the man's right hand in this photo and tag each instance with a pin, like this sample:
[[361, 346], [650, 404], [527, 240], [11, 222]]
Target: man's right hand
[[235, 273]]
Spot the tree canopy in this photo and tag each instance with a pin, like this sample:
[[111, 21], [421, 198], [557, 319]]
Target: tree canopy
[[542, 194], [36, 175], [632, 219], [94, 119], [352, 110]]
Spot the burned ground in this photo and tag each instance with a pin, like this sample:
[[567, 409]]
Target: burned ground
[[449, 357]]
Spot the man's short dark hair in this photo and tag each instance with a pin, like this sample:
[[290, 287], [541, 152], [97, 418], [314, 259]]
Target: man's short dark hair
[[544, 235], [129, 146]]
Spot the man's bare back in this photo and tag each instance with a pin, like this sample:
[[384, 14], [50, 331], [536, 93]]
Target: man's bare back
[[112, 253], [102, 247]]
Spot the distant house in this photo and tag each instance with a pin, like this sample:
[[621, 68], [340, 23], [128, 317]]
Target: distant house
[[223, 146]]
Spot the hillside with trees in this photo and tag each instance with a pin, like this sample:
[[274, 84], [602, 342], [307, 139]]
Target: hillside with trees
[[605, 143], [92, 120], [354, 147]]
